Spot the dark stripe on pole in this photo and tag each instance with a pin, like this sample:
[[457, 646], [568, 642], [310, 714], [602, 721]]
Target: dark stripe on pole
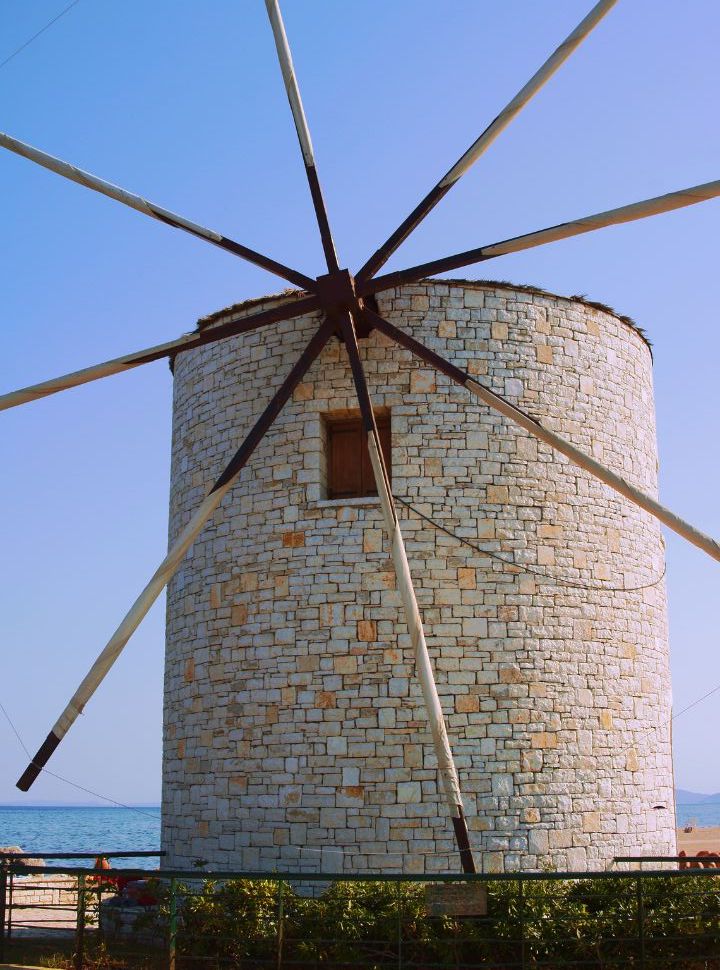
[[383, 254], [419, 349], [328, 243], [415, 273], [237, 249], [488, 136], [295, 308], [38, 763], [358, 373], [462, 837]]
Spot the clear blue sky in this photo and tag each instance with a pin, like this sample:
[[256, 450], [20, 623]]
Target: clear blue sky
[[183, 102]]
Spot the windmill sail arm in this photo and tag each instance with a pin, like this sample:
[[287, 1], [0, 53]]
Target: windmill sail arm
[[171, 563], [303, 131], [423, 666], [488, 136], [576, 227], [187, 342], [519, 417], [140, 204]]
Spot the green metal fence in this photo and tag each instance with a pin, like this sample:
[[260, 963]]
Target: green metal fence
[[198, 919]]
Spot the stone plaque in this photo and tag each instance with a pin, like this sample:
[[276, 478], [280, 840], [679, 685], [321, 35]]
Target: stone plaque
[[456, 899]]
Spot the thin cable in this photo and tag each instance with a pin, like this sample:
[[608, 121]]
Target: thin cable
[[15, 731], [73, 784], [36, 35], [527, 568], [695, 703], [674, 717]]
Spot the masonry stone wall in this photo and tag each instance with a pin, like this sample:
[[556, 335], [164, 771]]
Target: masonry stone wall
[[294, 726]]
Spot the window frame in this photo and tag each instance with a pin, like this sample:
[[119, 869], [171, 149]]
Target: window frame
[[362, 482]]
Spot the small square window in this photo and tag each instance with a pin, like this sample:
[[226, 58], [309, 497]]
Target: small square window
[[349, 471]]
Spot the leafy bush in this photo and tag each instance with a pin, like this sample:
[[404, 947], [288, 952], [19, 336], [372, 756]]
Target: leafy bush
[[594, 923]]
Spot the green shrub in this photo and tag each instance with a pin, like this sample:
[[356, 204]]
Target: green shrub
[[594, 923]]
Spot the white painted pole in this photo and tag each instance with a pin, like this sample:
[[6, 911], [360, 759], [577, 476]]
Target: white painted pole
[[538, 430], [596, 469], [94, 373], [137, 202], [78, 175], [188, 341], [481, 144], [611, 217], [303, 132], [536, 82], [170, 564], [291, 86], [576, 227], [446, 764], [120, 637], [423, 666]]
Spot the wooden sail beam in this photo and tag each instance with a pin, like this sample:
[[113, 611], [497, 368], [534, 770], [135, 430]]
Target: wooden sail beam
[[303, 132], [190, 341], [611, 217], [172, 561], [154, 211], [446, 764], [532, 425], [481, 144]]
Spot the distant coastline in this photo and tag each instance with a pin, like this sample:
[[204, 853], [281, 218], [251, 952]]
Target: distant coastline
[[684, 797]]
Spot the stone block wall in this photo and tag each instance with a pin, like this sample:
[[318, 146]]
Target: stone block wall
[[294, 727]]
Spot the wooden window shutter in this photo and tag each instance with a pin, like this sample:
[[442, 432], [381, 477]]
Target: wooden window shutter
[[350, 473]]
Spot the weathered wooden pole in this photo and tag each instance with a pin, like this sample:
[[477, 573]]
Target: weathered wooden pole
[[170, 564], [303, 131], [75, 174], [292, 308], [600, 220], [481, 144], [515, 414], [446, 764]]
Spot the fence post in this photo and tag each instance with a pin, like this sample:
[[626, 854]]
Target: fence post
[[280, 924], [172, 935], [3, 906], [640, 919], [521, 922], [9, 906], [398, 906], [80, 924]]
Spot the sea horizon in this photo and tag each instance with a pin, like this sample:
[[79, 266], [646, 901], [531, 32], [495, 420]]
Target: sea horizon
[[45, 829], [127, 805]]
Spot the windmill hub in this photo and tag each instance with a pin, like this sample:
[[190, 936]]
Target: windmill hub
[[336, 292]]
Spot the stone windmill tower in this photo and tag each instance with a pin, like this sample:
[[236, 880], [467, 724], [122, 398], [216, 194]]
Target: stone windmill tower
[[335, 684]]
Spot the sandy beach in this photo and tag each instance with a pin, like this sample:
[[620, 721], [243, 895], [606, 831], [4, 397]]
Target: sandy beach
[[699, 839]]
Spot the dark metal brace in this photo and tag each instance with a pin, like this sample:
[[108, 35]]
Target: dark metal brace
[[171, 563]]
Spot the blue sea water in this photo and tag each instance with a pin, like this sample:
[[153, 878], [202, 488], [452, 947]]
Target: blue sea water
[[701, 815], [49, 829]]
